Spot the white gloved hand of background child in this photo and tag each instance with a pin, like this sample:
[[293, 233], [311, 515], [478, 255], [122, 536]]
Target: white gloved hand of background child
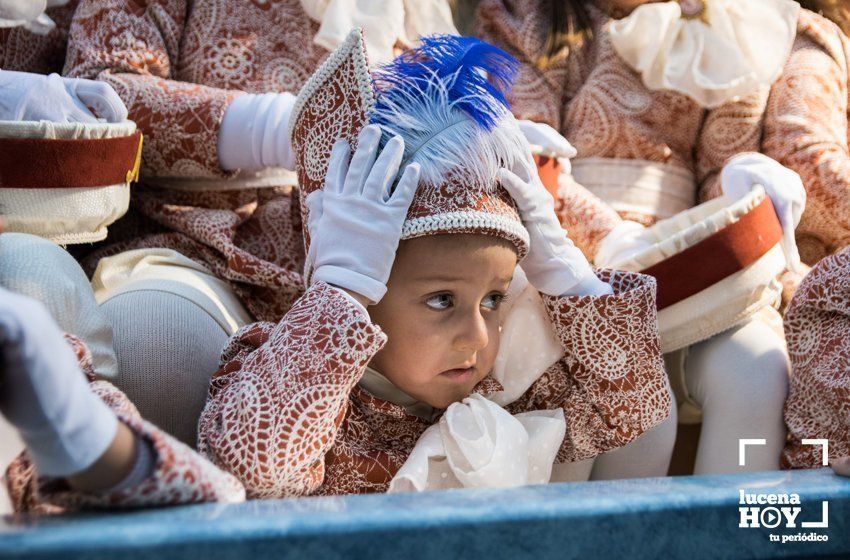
[[546, 141], [553, 265], [354, 240], [44, 394], [28, 14], [782, 185], [626, 240], [254, 132], [35, 97]]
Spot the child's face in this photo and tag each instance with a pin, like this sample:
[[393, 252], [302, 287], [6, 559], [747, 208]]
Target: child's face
[[441, 314]]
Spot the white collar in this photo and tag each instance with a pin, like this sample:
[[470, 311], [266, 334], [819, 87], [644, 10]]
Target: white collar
[[374, 383], [732, 49]]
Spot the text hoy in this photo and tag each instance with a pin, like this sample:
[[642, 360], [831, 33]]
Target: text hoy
[[763, 513]]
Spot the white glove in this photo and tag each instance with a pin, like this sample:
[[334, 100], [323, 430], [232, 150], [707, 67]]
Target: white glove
[[35, 97], [546, 141], [44, 394], [553, 265], [29, 14], [354, 239], [621, 244], [782, 185], [254, 132]]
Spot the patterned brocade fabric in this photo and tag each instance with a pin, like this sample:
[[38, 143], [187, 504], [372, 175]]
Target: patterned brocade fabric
[[180, 475], [601, 106], [177, 64], [817, 327], [285, 414], [806, 129], [24, 51]]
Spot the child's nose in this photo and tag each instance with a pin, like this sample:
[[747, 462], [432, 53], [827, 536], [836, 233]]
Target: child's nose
[[473, 333]]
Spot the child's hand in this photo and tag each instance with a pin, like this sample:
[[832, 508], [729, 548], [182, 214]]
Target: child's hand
[[355, 222], [45, 395], [553, 265]]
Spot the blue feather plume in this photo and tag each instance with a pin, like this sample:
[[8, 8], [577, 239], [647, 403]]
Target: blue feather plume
[[447, 100], [476, 75]]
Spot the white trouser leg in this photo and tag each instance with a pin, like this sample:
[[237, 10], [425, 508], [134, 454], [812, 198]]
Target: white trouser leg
[[38, 268], [171, 318], [168, 348], [647, 456], [740, 379], [572, 472]]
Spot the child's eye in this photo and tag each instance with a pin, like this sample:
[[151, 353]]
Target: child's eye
[[439, 301], [493, 301]]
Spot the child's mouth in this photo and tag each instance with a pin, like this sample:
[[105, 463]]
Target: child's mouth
[[461, 374]]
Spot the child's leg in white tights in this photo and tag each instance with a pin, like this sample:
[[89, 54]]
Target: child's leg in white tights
[[648, 455], [740, 379]]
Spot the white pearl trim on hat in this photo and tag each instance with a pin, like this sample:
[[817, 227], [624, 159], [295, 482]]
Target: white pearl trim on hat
[[466, 220]]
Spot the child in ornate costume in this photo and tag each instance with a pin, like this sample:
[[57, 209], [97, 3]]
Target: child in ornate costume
[[656, 123], [213, 239], [402, 318], [817, 325]]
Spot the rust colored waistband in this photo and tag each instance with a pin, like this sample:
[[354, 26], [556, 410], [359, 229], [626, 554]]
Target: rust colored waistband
[[33, 163], [719, 256]]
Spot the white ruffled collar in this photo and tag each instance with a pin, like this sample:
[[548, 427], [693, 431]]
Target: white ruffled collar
[[384, 22], [719, 50]]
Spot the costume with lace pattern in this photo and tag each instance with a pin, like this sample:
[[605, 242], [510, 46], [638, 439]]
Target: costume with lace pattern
[[180, 475], [601, 105], [177, 64], [286, 416], [817, 327], [25, 51]]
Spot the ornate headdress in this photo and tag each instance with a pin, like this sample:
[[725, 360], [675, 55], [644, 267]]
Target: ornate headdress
[[446, 99]]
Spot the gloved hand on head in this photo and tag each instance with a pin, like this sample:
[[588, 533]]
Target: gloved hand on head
[[553, 265], [355, 222]]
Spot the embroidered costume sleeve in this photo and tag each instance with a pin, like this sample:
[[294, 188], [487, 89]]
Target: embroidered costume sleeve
[[282, 392], [817, 328], [806, 128], [180, 475], [611, 381], [134, 47], [25, 51]]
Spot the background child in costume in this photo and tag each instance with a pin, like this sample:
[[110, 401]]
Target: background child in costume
[[291, 411], [87, 445], [217, 238], [816, 326], [647, 151]]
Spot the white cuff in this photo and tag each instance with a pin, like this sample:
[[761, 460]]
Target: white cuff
[[253, 133], [369, 288], [590, 285]]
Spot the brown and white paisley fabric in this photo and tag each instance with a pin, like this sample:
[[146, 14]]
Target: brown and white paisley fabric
[[177, 64], [24, 51], [336, 103], [806, 129], [285, 414], [180, 476], [600, 104], [817, 328]]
